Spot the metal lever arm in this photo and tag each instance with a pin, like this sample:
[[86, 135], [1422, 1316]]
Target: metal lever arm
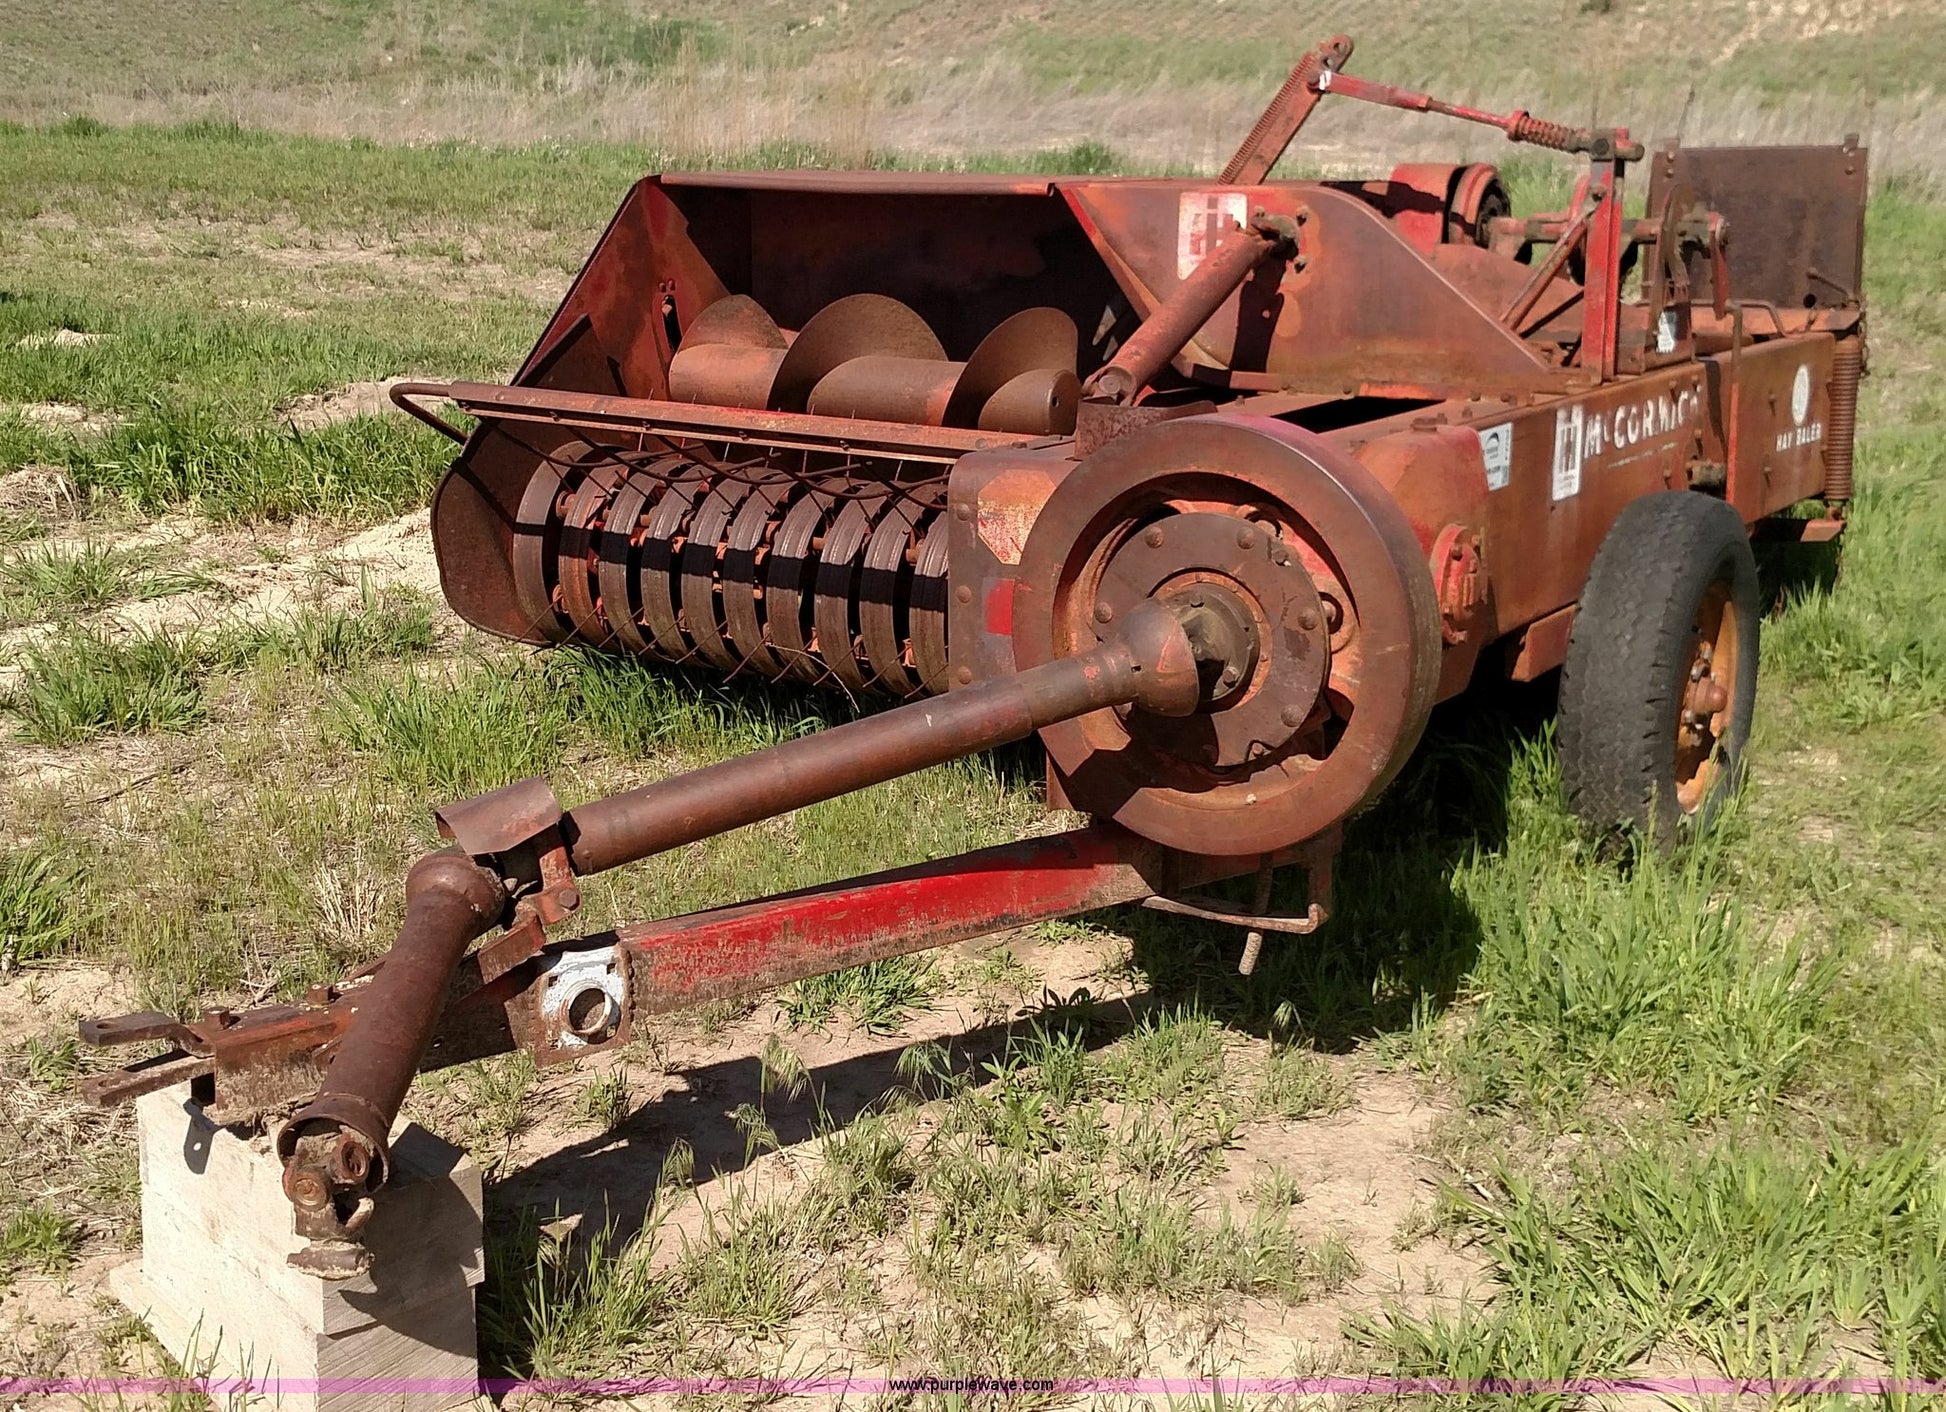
[[1520, 126], [1150, 663], [1188, 307], [1287, 112]]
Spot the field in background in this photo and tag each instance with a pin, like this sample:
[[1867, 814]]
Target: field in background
[[1516, 1111], [1168, 83]]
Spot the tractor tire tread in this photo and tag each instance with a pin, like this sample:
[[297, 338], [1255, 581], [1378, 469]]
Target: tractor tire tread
[[1619, 692]]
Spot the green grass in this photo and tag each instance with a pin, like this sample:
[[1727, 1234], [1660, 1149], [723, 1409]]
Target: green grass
[[81, 683], [43, 903], [876, 996], [35, 1238], [453, 738], [548, 1310], [45, 581]]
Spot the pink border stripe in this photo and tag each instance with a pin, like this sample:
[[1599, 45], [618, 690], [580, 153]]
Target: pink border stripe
[[839, 1386]]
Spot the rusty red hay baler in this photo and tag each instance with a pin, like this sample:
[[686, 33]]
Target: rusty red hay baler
[[1217, 486]]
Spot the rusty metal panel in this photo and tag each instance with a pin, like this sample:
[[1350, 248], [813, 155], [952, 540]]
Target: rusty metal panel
[[1772, 434], [1569, 467], [1796, 218], [994, 498]]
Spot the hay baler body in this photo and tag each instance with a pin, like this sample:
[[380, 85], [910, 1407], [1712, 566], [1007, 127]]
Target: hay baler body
[[1216, 486]]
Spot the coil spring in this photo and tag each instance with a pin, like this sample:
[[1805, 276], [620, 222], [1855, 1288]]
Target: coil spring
[[824, 576], [1542, 133], [1847, 365]]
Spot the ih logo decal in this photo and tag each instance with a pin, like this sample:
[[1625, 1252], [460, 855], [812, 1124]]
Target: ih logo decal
[[1202, 219]]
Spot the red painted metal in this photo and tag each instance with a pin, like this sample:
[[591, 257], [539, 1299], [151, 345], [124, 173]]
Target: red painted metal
[[1343, 441], [684, 961]]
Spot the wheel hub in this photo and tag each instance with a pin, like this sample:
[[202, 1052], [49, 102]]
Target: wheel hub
[[1252, 614], [1308, 605]]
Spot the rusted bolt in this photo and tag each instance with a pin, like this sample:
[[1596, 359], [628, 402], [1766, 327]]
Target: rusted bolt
[[1246, 538], [963, 676], [1104, 613], [1334, 613], [962, 510], [569, 898], [1292, 717], [306, 1188], [963, 594], [1308, 620], [1153, 539]]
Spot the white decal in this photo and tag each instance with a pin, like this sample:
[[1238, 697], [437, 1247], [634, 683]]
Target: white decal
[[1568, 429], [1665, 332], [1801, 433], [1497, 450], [1202, 219]]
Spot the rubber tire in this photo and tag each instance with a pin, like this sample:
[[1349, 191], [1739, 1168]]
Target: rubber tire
[[1625, 676]]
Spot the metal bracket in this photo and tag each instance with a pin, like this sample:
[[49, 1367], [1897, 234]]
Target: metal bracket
[[517, 829], [582, 1003], [1255, 917]]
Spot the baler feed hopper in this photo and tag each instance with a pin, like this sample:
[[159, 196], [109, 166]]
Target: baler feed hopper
[[1216, 486]]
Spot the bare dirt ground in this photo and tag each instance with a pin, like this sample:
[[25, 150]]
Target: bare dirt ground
[[1364, 1173]]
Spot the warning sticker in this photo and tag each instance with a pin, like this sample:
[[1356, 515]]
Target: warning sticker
[[1202, 219], [1568, 423], [1497, 450]]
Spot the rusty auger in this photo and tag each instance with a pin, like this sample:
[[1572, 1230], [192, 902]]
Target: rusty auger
[[1215, 485]]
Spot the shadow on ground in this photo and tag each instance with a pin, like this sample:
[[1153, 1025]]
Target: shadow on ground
[[1399, 936], [1398, 943]]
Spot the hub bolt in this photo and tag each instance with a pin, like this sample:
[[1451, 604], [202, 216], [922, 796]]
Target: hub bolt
[[1153, 539], [306, 1188], [1104, 613]]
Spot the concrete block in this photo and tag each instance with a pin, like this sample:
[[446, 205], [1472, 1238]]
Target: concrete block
[[214, 1285]]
